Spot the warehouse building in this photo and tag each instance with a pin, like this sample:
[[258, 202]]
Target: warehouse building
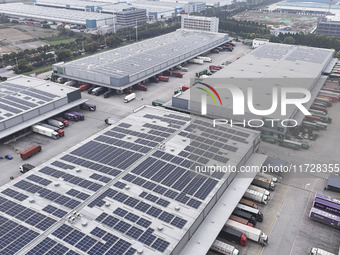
[[329, 26], [270, 66], [126, 66], [194, 7], [305, 8], [130, 189], [130, 17], [200, 23], [88, 19], [25, 101]]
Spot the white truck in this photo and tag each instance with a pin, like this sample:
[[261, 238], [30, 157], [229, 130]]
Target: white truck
[[45, 131], [251, 233], [259, 189], [184, 69], [205, 59], [55, 123], [256, 196], [70, 83], [318, 251], [25, 168], [223, 248], [129, 97], [264, 183], [267, 176], [196, 61]]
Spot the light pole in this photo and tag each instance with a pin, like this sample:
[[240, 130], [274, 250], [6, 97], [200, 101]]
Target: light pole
[[136, 31]]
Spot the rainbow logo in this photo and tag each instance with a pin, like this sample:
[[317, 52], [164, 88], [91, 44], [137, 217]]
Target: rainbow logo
[[209, 93]]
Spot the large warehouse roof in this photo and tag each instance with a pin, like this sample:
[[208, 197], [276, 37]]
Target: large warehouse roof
[[128, 65], [52, 14], [25, 101], [269, 66], [129, 188]]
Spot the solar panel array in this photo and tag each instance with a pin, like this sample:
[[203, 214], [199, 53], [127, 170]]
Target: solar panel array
[[120, 191], [17, 99]]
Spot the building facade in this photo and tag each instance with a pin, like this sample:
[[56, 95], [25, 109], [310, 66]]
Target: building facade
[[200, 23], [195, 7], [329, 26], [131, 17]]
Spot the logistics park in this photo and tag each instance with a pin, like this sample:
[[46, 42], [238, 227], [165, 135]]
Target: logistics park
[[122, 180]]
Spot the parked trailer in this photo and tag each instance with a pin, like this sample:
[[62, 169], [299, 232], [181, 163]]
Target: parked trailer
[[55, 123], [312, 125], [233, 235], [327, 198], [79, 115], [318, 251], [140, 87], [256, 196], [25, 168], [255, 212], [324, 118], [70, 116], [154, 79], [248, 203], [327, 206], [158, 102], [248, 218], [65, 122], [109, 93], [223, 248], [60, 132], [253, 234], [320, 104], [325, 217], [328, 101], [163, 78], [99, 91], [176, 74], [88, 107], [84, 87], [267, 176], [196, 61], [317, 111], [313, 118], [129, 97], [30, 152], [70, 83], [205, 59], [45, 131], [264, 183], [319, 108], [290, 144], [259, 189]]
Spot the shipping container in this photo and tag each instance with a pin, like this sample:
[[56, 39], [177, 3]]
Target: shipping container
[[30, 152], [223, 248], [233, 235], [253, 211], [327, 206], [325, 217], [248, 203]]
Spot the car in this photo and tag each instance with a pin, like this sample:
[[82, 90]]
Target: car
[[9, 157]]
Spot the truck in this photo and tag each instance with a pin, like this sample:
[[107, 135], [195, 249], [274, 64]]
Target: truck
[[158, 102], [249, 203], [205, 59], [45, 131], [253, 234], [214, 51], [184, 88], [267, 176], [325, 217], [70, 116], [70, 83], [259, 189], [233, 235], [255, 212], [176, 74], [88, 107], [223, 248], [184, 69], [84, 87], [55, 123], [317, 112], [65, 122], [319, 108], [196, 61], [58, 130], [256, 196], [154, 79], [129, 97], [91, 88], [61, 80], [79, 115], [25, 168], [163, 78], [30, 152], [327, 101], [318, 251], [312, 118], [241, 220], [140, 87], [109, 93], [264, 183], [324, 118], [98, 91], [217, 68]]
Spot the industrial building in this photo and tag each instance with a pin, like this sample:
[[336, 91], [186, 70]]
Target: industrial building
[[305, 8], [155, 9], [130, 17], [329, 26], [130, 189], [26, 101], [200, 23], [195, 7], [269, 66], [88, 19], [126, 66]]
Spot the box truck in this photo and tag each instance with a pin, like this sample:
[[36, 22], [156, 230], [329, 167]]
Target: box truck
[[79, 115], [241, 220], [70, 83], [318, 251], [55, 123], [223, 248], [129, 97], [263, 183], [25, 168], [233, 235], [255, 212], [256, 196], [65, 122], [248, 203], [259, 189], [267, 176], [70, 116], [45, 131], [58, 130], [30, 151], [245, 215], [253, 234]]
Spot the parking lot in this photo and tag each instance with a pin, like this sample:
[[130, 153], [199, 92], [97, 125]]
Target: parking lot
[[113, 108]]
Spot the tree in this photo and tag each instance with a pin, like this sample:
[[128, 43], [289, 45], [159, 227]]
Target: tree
[[91, 47], [63, 54], [337, 54], [289, 40]]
